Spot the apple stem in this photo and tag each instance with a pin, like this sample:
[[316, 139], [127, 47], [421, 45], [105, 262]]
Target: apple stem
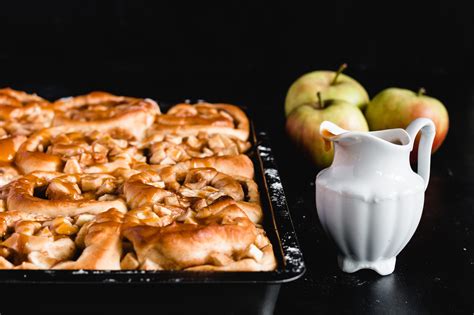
[[339, 71], [320, 100], [421, 92]]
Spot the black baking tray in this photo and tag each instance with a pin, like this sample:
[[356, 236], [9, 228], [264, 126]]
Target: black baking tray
[[259, 288]]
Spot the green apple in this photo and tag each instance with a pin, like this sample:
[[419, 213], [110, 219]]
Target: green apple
[[397, 108], [303, 123], [333, 85]]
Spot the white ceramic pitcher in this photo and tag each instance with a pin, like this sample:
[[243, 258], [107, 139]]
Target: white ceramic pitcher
[[369, 200]]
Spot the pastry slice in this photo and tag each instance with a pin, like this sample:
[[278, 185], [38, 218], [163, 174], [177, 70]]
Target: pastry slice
[[186, 120], [170, 149], [219, 240], [22, 113], [101, 243], [103, 111], [62, 149], [56, 194], [32, 241]]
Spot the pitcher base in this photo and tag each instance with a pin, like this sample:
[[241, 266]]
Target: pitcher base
[[383, 267]]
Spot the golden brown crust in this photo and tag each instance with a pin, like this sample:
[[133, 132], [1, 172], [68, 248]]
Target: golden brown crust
[[170, 149], [63, 194], [102, 190], [239, 165], [185, 119], [21, 96], [266, 263], [8, 173], [36, 242], [22, 113], [29, 159], [9, 147], [8, 219], [62, 149], [102, 242], [228, 232], [33, 241], [144, 189], [103, 111], [207, 185]]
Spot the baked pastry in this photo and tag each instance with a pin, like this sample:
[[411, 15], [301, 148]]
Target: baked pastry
[[223, 238], [62, 149], [206, 185], [193, 191], [8, 173], [103, 111], [8, 149], [169, 149], [204, 221], [101, 241], [116, 185], [56, 194], [236, 165], [188, 120], [197, 131], [32, 241], [19, 98], [22, 113]]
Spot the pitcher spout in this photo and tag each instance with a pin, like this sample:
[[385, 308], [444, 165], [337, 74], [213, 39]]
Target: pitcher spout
[[330, 131]]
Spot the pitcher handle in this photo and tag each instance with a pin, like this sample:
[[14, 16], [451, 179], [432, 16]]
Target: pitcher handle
[[428, 132]]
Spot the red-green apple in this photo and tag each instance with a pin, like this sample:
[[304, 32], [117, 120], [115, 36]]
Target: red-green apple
[[333, 84], [397, 108], [303, 123]]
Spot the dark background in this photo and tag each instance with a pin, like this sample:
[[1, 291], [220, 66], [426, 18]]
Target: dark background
[[248, 53], [242, 51]]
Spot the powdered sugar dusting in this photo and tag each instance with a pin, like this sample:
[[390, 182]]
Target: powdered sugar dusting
[[276, 188], [110, 280], [292, 254], [277, 185], [265, 153], [294, 257], [272, 174], [80, 272]]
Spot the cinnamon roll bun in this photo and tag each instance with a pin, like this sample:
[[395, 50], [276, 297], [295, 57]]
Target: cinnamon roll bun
[[103, 111], [188, 120], [56, 194], [8, 149], [63, 149], [32, 241], [225, 239], [22, 113], [170, 149], [101, 242], [238, 165]]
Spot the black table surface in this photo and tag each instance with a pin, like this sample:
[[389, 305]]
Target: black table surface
[[434, 273]]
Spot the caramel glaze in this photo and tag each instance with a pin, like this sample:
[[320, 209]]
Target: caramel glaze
[[7, 150], [9, 147]]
